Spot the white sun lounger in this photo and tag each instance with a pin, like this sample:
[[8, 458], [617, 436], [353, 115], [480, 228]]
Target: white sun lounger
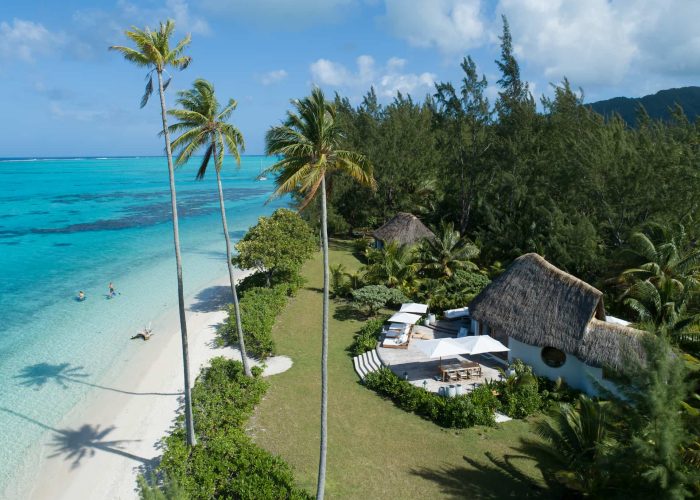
[[462, 312]]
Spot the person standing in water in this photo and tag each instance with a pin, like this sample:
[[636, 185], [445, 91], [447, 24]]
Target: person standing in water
[[81, 295], [112, 293]]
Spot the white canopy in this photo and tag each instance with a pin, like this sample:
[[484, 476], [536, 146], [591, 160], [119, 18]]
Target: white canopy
[[415, 308], [479, 344], [403, 317], [437, 348]]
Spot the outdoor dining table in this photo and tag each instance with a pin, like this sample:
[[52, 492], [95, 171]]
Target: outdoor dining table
[[471, 367]]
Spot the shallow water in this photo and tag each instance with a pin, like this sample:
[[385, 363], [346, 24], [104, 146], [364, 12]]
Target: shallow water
[[77, 224]]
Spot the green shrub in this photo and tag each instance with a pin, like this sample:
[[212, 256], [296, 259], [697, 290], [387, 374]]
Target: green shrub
[[259, 309], [292, 280], [519, 392], [366, 339], [340, 284], [475, 408], [556, 391], [225, 463], [278, 244], [374, 297]]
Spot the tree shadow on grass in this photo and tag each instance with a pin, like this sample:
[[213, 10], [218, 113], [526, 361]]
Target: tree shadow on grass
[[343, 245], [212, 299], [345, 312], [62, 374], [80, 443], [495, 479]]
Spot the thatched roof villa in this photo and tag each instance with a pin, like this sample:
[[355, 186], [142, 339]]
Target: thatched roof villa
[[404, 229], [555, 322]]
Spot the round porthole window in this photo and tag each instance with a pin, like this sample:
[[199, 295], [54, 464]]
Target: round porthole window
[[553, 357]]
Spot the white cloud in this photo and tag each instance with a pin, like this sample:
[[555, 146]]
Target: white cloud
[[387, 80], [98, 28], [179, 11], [450, 25], [595, 43], [80, 114], [295, 14], [27, 40], [586, 41], [273, 77], [328, 72]]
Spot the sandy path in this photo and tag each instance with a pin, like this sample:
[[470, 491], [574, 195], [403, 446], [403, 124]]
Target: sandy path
[[100, 447]]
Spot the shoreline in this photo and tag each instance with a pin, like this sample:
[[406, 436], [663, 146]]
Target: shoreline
[[112, 434]]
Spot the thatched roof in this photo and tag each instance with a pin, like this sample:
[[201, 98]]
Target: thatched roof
[[404, 229], [536, 303]]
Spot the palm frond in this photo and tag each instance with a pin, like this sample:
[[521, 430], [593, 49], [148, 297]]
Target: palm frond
[[205, 162], [147, 93]]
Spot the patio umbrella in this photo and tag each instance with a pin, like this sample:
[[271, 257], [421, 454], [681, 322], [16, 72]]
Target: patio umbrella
[[437, 348], [403, 317], [413, 307], [479, 344]]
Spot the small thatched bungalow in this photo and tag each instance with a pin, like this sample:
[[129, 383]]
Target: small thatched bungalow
[[555, 323], [404, 229]]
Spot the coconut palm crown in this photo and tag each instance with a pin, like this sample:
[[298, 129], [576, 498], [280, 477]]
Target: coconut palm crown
[[204, 123], [308, 142], [153, 51]]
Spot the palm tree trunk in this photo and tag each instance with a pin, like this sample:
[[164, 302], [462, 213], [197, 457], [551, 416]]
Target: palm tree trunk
[[236, 308], [324, 349], [189, 420]]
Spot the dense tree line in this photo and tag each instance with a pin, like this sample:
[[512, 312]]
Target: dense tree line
[[561, 181]]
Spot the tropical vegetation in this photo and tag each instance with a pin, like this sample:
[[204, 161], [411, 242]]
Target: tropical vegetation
[[277, 246], [226, 463]]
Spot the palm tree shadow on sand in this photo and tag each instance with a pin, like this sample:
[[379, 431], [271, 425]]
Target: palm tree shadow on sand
[[38, 375], [212, 299], [83, 442]]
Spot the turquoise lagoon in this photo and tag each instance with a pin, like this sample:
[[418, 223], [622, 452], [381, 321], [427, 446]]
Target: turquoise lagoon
[[77, 224]]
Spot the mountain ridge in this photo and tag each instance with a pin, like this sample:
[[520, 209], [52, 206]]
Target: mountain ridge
[[657, 105]]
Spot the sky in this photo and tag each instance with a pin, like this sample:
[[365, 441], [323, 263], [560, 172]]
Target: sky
[[64, 94]]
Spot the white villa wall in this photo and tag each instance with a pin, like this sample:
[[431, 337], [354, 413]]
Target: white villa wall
[[574, 372]]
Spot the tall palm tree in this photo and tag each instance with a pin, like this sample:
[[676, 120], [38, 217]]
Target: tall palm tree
[[447, 252], [153, 52], [309, 143], [203, 123]]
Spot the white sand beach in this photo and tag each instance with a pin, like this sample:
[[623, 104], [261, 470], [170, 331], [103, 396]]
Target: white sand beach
[[100, 447]]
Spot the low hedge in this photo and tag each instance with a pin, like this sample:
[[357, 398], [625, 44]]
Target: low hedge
[[474, 408], [225, 463], [259, 309], [366, 339]]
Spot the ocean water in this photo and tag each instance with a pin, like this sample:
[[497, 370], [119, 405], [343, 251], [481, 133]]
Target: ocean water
[[77, 224]]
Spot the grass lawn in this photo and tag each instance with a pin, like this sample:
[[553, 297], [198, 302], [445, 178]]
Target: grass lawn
[[375, 450]]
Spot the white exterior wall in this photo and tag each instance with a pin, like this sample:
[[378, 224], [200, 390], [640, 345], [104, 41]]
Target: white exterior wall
[[574, 372]]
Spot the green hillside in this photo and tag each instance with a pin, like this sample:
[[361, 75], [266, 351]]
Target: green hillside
[[657, 105]]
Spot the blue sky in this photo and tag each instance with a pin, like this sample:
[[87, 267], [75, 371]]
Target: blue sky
[[64, 94]]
